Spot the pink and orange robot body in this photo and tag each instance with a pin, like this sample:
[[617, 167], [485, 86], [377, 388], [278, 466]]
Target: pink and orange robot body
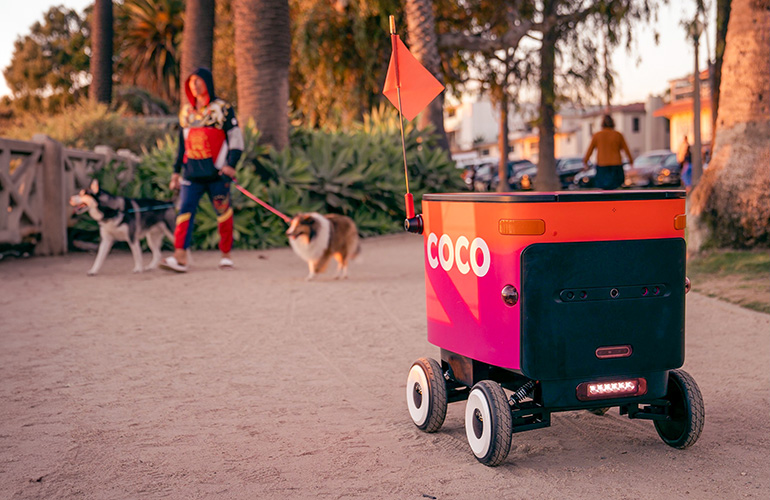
[[567, 300]]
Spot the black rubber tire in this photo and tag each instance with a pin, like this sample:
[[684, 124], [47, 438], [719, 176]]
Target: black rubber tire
[[426, 394], [490, 441], [686, 411]]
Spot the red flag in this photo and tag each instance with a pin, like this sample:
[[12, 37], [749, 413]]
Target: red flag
[[418, 86]]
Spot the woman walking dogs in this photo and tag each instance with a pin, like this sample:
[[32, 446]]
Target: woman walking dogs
[[210, 144], [608, 143]]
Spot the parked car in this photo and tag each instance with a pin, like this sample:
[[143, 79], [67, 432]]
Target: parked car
[[584, 179], [669, 173], [523, 179], [643, 171], [488, 177], [483, 178], [566, 169], [514, 167]]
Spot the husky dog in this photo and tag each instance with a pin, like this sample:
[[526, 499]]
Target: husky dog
[[126, 219], [315, 238]]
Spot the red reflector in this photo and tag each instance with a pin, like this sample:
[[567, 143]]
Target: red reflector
[[588, 391], [615, 351]]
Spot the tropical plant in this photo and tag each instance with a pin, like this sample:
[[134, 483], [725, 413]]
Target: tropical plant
[[149, 34]]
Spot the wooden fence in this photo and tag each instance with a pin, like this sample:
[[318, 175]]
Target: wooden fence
[[36, 180]]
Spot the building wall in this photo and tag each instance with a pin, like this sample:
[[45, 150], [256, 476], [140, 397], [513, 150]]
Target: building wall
[[682, 125], [657, 134], [631, 125]]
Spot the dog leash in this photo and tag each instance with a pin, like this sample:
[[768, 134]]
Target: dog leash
[[149, 209], [243, 190]]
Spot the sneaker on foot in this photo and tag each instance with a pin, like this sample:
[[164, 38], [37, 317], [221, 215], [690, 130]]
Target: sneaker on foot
[[171, 264], [225, 263]]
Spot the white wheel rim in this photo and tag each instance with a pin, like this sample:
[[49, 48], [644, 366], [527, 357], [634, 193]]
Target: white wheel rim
[[477, 401], [417, 378]]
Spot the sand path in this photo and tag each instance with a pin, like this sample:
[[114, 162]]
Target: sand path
[[255, 384]]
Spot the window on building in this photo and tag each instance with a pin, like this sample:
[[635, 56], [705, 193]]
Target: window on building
[[590, 129], [635, 124], [667, 125], [485, 152], [451, 112]]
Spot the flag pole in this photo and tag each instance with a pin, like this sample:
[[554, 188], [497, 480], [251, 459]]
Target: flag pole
[[408, 198]]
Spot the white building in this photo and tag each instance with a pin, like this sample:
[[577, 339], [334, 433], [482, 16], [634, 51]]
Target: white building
[[473, 128]]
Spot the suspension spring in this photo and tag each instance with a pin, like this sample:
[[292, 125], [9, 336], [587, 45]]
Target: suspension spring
[[522, 393]]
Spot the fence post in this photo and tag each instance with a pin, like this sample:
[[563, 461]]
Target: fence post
[[53, 239]]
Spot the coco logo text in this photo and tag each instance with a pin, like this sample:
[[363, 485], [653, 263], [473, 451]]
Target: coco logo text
[[463, 253]]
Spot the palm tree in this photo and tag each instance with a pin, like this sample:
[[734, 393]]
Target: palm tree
[[262, 52], [198, 36], [424, 45], [152, 31], [729, 204], [101, 52]]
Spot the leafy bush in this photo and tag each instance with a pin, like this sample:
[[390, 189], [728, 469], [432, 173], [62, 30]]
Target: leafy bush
[[359, 174], [86, 125]]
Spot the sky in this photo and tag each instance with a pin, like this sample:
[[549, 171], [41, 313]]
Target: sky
[[645, 72]]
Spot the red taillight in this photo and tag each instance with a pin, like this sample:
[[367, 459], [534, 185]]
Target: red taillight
[[588, 391]]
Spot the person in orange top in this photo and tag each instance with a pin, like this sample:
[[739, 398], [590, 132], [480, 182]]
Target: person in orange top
[[608, 144]]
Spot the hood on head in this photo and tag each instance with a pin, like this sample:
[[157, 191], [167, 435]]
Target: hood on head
[[205, 74]]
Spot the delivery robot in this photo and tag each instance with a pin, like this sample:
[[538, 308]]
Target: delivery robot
[[549, 302]]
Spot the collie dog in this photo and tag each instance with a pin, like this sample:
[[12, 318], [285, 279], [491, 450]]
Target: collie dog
[[315, 238]]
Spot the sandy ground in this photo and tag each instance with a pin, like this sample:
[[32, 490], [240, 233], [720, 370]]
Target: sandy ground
[[253, 383]]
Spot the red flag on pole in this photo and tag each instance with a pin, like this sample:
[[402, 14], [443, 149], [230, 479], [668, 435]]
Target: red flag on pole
[[418, 86]]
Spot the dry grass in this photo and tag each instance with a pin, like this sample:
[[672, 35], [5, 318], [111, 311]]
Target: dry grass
[[738, 276]]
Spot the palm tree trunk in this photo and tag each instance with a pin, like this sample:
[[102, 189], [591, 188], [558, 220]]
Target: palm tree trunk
[[423, 42], [723, 17], [262, 52], [101, 52], [546, 166], [197, 37], [729, 205]]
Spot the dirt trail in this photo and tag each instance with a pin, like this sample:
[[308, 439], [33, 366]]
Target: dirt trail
[[255, 384]]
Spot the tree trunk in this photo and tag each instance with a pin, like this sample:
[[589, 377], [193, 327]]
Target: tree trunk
[[197, 38], [546, 179], [423, 43], [262, 52], [723, 16], [502, 140], [730, 206], [101, 52]]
